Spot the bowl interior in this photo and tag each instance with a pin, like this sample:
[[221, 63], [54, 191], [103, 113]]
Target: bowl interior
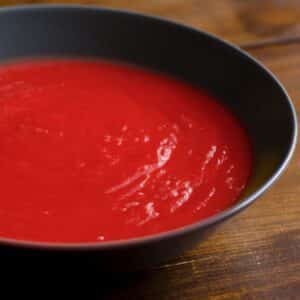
[[238, 81]]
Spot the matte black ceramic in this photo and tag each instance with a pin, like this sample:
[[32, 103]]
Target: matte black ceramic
[[239, 81]]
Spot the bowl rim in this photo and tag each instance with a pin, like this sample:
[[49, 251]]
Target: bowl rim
[[181, 231]]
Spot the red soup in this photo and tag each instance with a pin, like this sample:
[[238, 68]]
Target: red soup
[[94, 151]]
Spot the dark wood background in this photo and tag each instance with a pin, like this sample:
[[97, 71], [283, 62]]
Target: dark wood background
[[257, 254]]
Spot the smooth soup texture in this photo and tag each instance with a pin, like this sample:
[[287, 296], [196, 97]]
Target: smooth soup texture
[[93, 151]]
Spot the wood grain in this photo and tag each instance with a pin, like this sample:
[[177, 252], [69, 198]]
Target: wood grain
[[256, 255]]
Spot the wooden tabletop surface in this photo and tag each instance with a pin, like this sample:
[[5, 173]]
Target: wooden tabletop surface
[[256, 255]]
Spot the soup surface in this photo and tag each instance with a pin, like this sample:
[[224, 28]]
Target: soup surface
[[93, 151]]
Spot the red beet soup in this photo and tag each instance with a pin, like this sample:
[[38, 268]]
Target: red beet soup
[[95, 151]]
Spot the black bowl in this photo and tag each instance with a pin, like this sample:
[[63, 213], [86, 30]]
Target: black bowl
[[239, 81]]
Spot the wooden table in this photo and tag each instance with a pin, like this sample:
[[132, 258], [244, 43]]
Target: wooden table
[[257, 254]]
